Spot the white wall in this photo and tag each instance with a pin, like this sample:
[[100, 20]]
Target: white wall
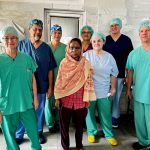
[[22, 11], [98, 12], [136, 11]]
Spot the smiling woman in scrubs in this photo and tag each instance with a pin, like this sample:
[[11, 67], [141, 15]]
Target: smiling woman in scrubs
[[105, 73], [18, 93]]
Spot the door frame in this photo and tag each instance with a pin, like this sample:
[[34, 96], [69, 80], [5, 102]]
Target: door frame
[[61, 13]]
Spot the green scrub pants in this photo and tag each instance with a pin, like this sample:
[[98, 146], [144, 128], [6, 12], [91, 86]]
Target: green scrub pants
[[9, 125], [142, 122], [103, 105], [51, 112]]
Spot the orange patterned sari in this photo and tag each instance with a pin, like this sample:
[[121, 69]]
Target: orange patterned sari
[[72, 75]]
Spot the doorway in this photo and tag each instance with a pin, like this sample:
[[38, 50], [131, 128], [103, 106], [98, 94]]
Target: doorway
[[70, 21]]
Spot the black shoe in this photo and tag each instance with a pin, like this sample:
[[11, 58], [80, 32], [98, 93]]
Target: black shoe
[[138, 146], [42, 139], [52, 130], [114, 122], [55, 128], [19, 141]]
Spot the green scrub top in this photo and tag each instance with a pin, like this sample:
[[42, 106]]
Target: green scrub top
[[59, 54], [16, 93], [139, 62]]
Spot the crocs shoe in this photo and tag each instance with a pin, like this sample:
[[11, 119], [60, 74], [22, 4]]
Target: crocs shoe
[[91, 138], [112, 141]]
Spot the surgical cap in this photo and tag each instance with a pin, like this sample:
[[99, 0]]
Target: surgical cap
[[145, 22], [36, 22], [55, 27], [8, 30], [86, 27], [116, 21], [100, 35]]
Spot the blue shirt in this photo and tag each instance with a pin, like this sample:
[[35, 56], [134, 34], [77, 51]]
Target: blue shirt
[[120, 50], [104, 66], [44, 58]]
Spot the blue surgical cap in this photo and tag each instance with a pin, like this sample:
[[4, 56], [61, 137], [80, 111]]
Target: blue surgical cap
[[86, 27], [8, 30], [116, 21], [55, 27], [100, 35], [36, 22], [145, 22]]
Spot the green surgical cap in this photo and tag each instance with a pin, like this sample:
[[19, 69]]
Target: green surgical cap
[[99, 34], [86, 27], [145, 22], [116, 21], [8, 30]]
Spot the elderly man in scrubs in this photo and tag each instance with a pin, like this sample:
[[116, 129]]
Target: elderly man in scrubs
[[18, 93], [119, 45], [45, 60], [138, 64]]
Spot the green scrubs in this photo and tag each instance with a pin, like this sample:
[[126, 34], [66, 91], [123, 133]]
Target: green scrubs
[[51, 112], [29, 120], [103, 106], [139, 62], [16, 98]]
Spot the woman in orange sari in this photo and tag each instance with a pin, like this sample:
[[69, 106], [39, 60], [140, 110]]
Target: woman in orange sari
[[73, 90]]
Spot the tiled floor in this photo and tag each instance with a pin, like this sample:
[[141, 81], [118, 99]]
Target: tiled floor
[[125, 135]]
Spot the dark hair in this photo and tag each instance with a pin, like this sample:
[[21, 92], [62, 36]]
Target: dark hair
[[76, 40]]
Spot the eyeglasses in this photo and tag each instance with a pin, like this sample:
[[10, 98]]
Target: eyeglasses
[[11, 39], [86, 32], [114, 25], [74, 49]]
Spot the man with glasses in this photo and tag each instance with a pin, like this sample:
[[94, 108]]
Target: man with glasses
[[44, 58], [119, 45], [138, 65]]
